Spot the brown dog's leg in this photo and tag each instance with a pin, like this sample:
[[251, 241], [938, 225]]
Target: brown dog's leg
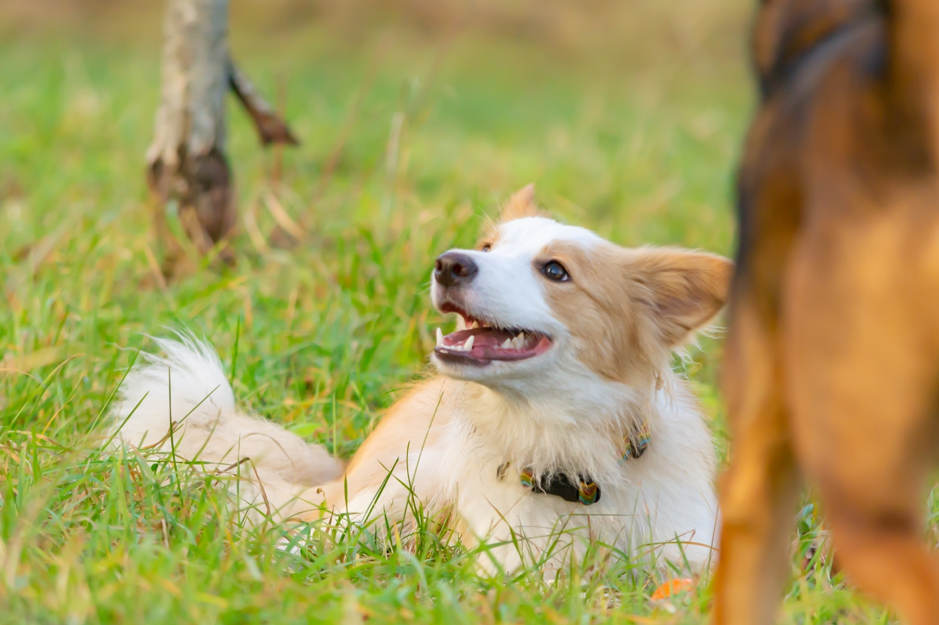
[[871, 486], [885, 556], [759, 491], [862, 365]]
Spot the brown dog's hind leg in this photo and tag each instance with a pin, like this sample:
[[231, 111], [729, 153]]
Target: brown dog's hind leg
[[861, 367], [885, 556], [759, 491]]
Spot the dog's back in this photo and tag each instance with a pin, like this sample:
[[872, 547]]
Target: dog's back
[[833, 354], [849, 97]]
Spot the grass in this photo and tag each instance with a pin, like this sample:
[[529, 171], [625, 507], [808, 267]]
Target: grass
[[319, 335]]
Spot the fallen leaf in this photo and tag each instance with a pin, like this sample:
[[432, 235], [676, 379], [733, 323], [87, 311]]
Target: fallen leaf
[[672, 587]]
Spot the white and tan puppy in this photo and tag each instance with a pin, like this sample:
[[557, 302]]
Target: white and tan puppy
[[555, 419]]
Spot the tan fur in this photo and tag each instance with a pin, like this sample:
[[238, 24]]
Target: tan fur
[[521, 204], [490, 236], [411, 424], [386, 464], [658, 296]]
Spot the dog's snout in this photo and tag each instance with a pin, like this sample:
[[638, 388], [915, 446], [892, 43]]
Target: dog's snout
[[454, 268]]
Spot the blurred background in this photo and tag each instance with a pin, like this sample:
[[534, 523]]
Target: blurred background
[[627, 110], [416, 117]]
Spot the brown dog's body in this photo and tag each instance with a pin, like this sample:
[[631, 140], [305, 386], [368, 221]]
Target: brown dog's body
[[832, 367]]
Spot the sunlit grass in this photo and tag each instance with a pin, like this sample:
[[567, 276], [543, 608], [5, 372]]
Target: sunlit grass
[[326, 328]]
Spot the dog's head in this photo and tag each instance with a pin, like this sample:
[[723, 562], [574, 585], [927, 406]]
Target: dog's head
[[546, 306]]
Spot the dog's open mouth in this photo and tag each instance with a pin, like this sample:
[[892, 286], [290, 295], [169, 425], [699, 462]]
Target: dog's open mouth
[[483, 342]]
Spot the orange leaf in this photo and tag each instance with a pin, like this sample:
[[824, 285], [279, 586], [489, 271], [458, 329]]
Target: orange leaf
[[672, 587]]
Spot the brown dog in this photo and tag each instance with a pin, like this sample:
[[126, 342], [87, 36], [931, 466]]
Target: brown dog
[[832, 367]]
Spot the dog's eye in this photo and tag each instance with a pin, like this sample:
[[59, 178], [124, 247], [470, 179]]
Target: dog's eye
[[486, 247], [555, 271]]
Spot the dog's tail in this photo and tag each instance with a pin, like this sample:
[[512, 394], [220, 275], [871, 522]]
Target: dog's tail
[[181, 403]]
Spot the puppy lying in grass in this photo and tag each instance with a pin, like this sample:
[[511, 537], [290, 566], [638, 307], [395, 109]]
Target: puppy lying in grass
[[554, 421]]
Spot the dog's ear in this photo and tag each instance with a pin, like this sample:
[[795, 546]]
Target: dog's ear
[[521, 204], [679, 290]]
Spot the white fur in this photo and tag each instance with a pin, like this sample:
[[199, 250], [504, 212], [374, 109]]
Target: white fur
[[447, 439], [660, 507], [188, 388]]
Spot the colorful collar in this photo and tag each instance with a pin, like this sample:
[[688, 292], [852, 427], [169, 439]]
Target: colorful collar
[[585, 491]]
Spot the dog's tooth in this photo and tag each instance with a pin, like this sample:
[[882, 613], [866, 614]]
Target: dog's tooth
[[439, 337], [507, 344], [468, 345]]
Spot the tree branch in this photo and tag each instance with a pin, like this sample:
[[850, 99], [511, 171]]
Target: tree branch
[[271, 129]]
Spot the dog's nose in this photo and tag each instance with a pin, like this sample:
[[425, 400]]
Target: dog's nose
[[454, 268]]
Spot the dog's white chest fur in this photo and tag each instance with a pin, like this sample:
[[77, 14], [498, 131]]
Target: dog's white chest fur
[[660, 506]]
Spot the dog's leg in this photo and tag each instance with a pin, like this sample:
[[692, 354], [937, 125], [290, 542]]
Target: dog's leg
[[871, 481], [759, 491], [882, 552], [862, 368]]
